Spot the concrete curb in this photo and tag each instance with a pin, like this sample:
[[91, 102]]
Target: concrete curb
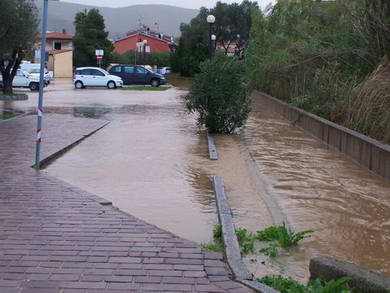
[[52, 157], [232, 249], [13, 98], [213, 153], [265, 190]]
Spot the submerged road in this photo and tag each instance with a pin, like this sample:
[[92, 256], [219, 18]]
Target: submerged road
[[152, 162], [56, 237]]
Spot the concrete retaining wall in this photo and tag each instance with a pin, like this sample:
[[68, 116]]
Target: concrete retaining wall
[[364, 150], [361, 280]]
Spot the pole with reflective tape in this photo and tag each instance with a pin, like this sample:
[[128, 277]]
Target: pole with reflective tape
[[41, 85]]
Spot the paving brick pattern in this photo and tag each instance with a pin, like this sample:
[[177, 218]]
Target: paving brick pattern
[[57, 238]]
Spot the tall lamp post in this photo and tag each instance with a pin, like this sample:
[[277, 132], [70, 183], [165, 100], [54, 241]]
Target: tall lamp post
[[214, 43], [41, 85], [210, 21], [145, 44]]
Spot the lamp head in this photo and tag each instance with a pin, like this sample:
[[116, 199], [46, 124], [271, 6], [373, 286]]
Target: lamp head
[[211, 19]]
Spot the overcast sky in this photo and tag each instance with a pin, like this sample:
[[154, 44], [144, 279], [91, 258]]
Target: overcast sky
[[180, 3]]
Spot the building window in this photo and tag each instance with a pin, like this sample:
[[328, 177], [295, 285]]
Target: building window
[[57, 46]]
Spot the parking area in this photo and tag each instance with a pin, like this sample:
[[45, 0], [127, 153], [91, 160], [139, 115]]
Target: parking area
[[61, 93]]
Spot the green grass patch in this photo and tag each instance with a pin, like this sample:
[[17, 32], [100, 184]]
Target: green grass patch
[[289, 285], [6, 115], [217, 245], [146, 88], [180, 81], [280, 237], [285, 237], [277, 237], [214, 247]]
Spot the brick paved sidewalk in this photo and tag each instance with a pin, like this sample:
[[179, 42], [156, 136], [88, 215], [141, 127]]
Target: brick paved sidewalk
[[57, 238]]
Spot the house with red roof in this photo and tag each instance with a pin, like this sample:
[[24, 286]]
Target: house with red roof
[[144, 42], [59, 52], [59, 41]]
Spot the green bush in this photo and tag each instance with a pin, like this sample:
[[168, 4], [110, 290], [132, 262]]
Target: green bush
[[283, 236], [320, 56], [289, 285], [219, 95]]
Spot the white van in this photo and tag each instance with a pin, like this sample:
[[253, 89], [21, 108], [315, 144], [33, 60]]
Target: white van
[[24, 80], [34, 69]]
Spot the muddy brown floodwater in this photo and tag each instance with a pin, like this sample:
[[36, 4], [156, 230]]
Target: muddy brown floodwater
[[152, 162], [321, 189]]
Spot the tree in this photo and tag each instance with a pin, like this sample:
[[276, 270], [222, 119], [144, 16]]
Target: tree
[[18, 28], [193, 45], [232, 27], [90, 35], [219, 95], [233, 24]]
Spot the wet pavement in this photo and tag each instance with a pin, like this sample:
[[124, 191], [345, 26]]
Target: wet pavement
[[56, 237], [152, 162]]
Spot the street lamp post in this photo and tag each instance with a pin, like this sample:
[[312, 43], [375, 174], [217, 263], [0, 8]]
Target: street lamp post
[[210, 21], [145, 43], [214, 43], [41, 85]]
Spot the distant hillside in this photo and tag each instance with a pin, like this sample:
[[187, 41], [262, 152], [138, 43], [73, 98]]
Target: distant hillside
[[120, 20]]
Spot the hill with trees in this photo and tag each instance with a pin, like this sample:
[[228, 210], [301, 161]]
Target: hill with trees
[[123, 19]]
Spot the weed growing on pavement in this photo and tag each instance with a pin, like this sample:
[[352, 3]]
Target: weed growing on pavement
[[246, 240], [217, 245], [289, 285], [213, 247], [271, 250], [277, 236], [280, 236], [7, 115]]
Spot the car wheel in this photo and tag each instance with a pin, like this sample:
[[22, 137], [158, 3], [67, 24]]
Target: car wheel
[[34, 86], [111, 85], [78, 85], [155, 83]]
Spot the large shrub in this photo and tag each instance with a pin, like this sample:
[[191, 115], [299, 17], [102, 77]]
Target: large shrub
[[219, 95], [322, 56]]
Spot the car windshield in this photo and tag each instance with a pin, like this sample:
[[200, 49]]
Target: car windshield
[[105, 72], [148, 69], [35, 70]]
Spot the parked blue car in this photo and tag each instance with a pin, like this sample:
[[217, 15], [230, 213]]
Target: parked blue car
[[137, 74]]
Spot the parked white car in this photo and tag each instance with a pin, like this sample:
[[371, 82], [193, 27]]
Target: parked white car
[[24, 80], [94, 76]]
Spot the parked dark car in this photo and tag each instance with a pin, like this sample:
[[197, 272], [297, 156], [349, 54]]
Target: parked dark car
[[137, 74]]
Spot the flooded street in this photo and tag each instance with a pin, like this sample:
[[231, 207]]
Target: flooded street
[[322, 190], [147, 161], [152, 161]]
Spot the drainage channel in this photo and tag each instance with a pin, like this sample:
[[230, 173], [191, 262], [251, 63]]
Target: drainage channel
[[232, 248]]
